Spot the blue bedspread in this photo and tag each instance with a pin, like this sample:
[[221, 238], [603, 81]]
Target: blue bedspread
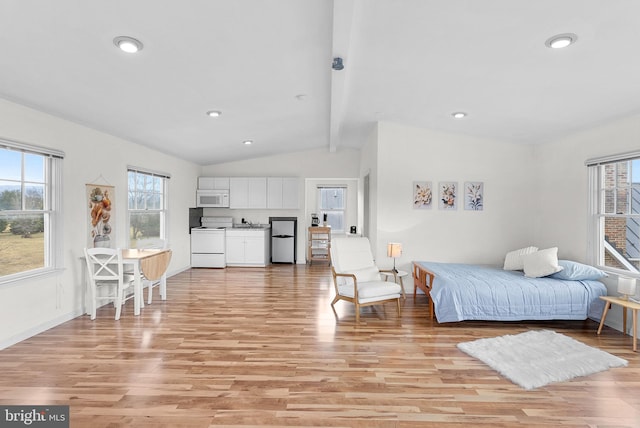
[[470, 292]]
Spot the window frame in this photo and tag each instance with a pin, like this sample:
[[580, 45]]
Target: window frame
[[51, 208], [343, 210], [164, 205], [598, 211]]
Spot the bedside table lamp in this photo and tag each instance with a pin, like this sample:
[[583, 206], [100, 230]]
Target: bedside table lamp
[[626, 287], [394, 249]]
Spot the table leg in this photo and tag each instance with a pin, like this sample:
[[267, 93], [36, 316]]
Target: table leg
[[607, 305], [404, 296], [163, 287], [624, 320], [635, 328]]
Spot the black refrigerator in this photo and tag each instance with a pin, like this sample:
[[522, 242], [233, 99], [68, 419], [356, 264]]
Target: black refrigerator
[[283, 239]]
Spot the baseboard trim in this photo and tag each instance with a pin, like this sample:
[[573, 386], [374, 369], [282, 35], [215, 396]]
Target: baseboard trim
[[39, 329]]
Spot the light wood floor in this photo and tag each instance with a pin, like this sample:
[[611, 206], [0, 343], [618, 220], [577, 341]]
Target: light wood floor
[[262, 347]]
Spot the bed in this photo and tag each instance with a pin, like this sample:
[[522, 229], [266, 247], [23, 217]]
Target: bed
[[459, 292]]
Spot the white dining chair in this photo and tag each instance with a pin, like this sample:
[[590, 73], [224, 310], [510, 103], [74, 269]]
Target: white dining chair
[[150, 279], [105, 271]]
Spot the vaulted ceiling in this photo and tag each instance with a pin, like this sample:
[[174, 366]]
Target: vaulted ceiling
[[266, 65]]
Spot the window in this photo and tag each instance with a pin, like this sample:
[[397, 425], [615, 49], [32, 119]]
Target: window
[[617, 213], [147, 205], [331, 203], [30, 230]]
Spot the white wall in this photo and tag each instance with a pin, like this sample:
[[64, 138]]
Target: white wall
[[408, 154], [561, 219], [31, 306], [313, 164], [534, 195], [369, 166]]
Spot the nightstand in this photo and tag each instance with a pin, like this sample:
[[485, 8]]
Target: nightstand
[[626, 304], [396, 275]]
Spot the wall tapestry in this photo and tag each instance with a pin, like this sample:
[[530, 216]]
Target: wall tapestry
[[447, 195], [422, 194], [473, 195], [101, 212]]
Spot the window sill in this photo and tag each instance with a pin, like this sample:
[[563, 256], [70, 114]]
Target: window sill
[[619, 272], [19, 278]]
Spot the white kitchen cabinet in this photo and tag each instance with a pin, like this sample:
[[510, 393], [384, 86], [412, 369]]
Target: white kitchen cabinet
[[213, 183], [248, 192], [282, 192], [246, 247], [235, 249]]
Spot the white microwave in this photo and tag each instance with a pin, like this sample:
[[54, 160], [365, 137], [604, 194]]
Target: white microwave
[[210, 198]]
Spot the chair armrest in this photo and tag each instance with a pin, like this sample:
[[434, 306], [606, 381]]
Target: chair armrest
[[346, 275], [386, 270]]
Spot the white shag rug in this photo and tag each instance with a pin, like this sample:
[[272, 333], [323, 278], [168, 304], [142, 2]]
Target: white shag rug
[[539, 357]]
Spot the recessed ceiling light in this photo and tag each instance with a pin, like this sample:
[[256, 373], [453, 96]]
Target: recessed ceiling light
[[128, 44], [459, 115], [560, 41], [247, 142], [214, 113]]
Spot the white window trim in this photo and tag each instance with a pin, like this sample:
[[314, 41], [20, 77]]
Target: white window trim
[[54, 250], [164, 227], [319, 187], [595, 225]]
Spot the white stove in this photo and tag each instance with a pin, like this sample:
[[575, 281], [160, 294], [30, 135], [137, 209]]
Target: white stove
[[208, 242]]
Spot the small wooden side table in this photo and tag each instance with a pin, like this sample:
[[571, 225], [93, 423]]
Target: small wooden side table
[[626, 304], [397, 274], [319, 244]]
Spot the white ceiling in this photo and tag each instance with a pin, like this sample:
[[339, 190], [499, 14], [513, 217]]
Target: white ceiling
[[266, 64]]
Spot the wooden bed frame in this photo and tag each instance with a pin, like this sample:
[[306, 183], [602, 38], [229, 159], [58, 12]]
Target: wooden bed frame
[[423, 279]]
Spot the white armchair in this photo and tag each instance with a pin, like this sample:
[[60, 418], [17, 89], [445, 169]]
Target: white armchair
[[356, 277]]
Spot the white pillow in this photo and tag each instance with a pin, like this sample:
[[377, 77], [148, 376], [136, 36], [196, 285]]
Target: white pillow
[[541, 263], [513, 259]]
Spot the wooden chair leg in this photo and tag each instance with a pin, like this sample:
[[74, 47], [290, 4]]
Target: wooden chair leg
[[398, 304], [335, 300]]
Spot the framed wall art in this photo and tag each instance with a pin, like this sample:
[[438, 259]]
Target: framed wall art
[[474, 195], [101, 216], [447, 195], [422, 195]]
